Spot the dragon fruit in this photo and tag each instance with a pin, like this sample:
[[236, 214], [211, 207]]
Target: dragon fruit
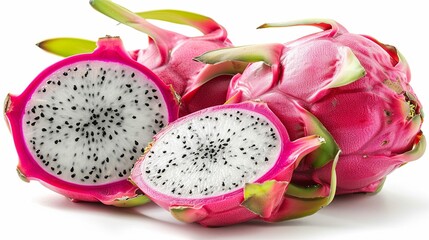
[[356, 86], [227, 164], [82, 123], [169, 54]]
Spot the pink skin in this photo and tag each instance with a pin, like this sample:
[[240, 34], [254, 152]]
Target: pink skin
[[375, 118], [110, 49], [181, 71], [228, 209], [199, 98]]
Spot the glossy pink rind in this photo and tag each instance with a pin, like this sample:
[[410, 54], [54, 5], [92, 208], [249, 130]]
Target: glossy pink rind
[[227, 208]]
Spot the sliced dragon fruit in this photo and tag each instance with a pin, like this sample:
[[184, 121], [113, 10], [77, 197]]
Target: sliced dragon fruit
[[82, 123], [224, 165]]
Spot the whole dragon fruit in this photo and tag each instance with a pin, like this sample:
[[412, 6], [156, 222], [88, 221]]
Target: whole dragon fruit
[[169, 54], [82, 123], [228, 164], [357, 87]]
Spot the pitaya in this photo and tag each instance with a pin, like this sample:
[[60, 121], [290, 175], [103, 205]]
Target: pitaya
[[82, 123], [227, 164], [356, 86], [169, 54]]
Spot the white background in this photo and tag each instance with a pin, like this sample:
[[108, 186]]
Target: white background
[[31, 211]]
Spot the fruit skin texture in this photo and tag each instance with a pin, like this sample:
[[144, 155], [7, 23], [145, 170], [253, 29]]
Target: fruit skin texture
[[110, 49], [356, 86], [259, 199]]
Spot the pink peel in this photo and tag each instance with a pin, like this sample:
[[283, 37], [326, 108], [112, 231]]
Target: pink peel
[[213, 79]]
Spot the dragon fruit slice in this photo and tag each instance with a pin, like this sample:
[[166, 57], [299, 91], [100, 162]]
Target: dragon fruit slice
[[223, 165], [82, 123], [169, 54], [356, 86]]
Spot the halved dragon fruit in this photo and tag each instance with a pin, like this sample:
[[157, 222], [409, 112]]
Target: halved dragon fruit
[[224, 165], [169, 54], [356, 86], [82, 123]]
